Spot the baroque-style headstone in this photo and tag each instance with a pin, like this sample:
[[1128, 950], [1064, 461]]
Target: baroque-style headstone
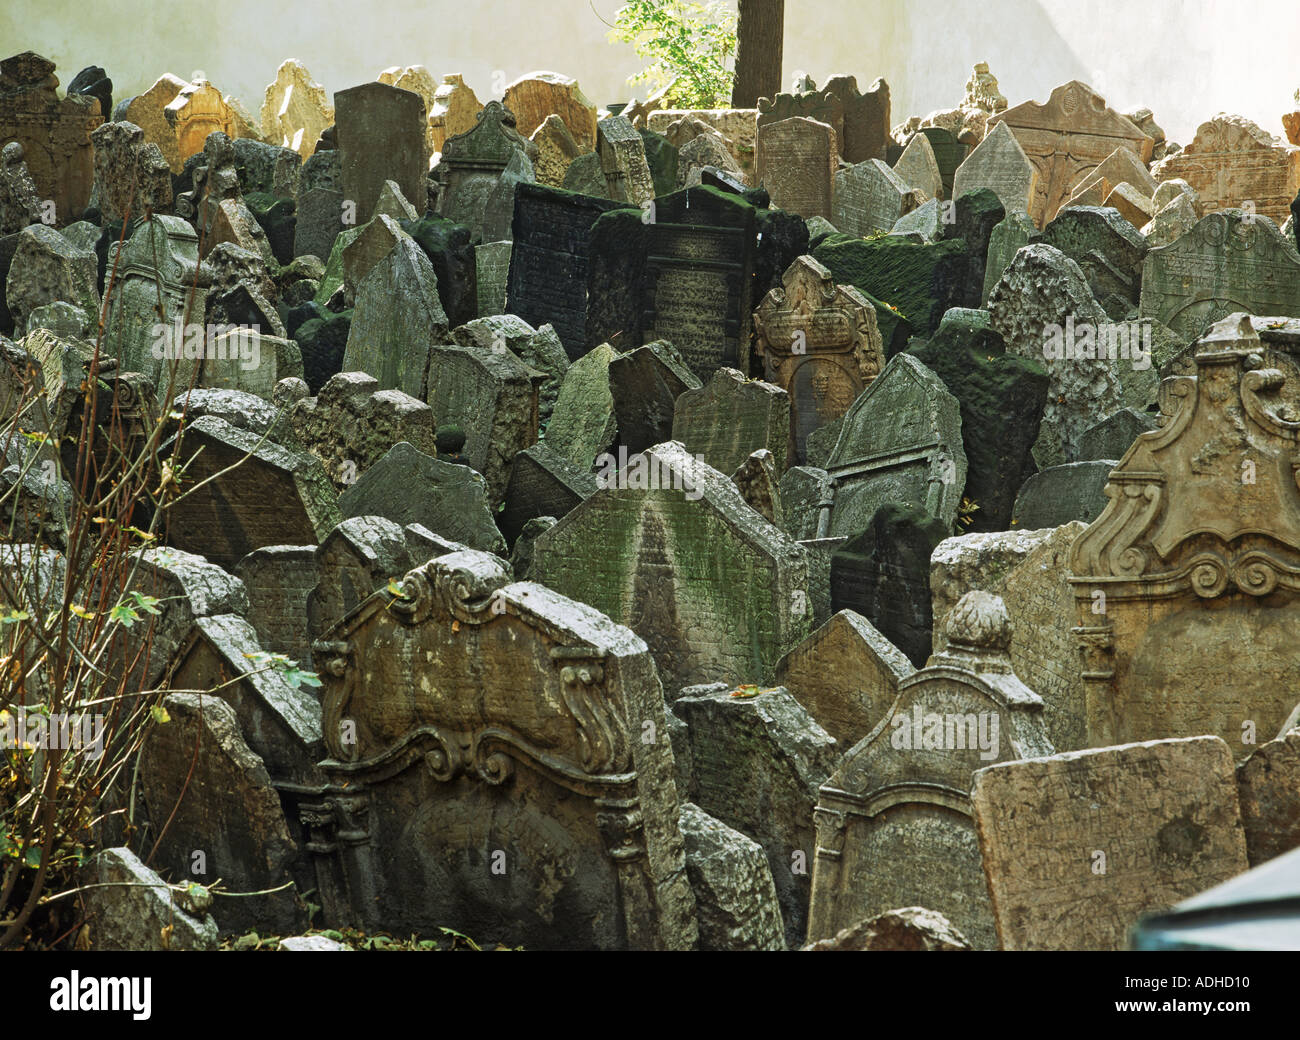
[[473, 167]]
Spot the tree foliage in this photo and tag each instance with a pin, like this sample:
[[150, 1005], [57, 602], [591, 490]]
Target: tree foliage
[[688, 46]]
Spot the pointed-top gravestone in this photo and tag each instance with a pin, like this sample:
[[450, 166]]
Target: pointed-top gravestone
[[870, 197], [381, 137], [918, 168], [999, 163], [900, 443], [472, 165], [1121, 166], [731, 417], [1065, 138]]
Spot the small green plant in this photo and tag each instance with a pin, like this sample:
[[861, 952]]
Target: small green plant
[[688, 45]]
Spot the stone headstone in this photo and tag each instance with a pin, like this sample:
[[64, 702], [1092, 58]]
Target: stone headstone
[[381, 136], [949, 154], [869, 198], [1114, 435], [900, 443], [528, 677], [1161, 819], [538, 95], [736, 125], [48, 267], [894, 821], [583, 424], [472, 168], [278, 580], [645, 384], [757, 761], [730, 417], [131, 175], [146, 111], [1270, 802], [1189, 556], [796, 164], [1060, 494], [129, 907], [1107, 248], [702, 621], [1008, 238], [1000, 164], [410, 486], [295, 109], [492, 265], [196, 111], [556, 150], [918, 168], [1228, 262], [1066, 138], [820, 343], [623, 162], [19, 204], [1233, 164], [455, 108], [542, 484], [846, 675], [907, 928], [93, 81]]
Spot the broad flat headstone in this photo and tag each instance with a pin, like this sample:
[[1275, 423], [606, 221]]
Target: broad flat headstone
[[548, 261], [583, 425], [509, 695], [1233, 162], [645, 384], [1191, 555], [381, 137], [796, 164], [48, 267], [199, 109], [1012, 234], [1107, 248], [1000, 164], [1065, 138], [900, 444], [1029, 570], [146, 111], [701, 619], [730, 417], [949, 154], [870, 197], [278, 579], [542, 484], [131, 175], [846, 675], [362, 554], [1061, 494], [1163, 815], [894, 821], [820, 343], [1228, 262], [757, 761]]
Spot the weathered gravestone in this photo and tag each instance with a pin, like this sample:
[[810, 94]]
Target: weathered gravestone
[[687, 276], [820, 343], [1062, 494], [1108, 250], [1000, 164], [894, 821], [547, 282], [47, 267], [538, 95], [900, 444], [1114, 435], [260, 494], [1011, 235], [542, 484], [197, 111], [919, 169], [1122, 166], [54, 132], [724, 615], [644, 384], [1182, 585], [556, 150], [455, 107], [846, 675], [19, 203], [295, 109], [1077, 846], [158, 262], [517, 801], [1065, 138], [1228, 262], [492, 266], [131, 175], [146, 111], [473, 168], [410, 486], [583, 424], [623, 162], [949, 154], [870, 198], [278, 579], [1234, 164], [1028, 570], [1268, 786], [1001, 398], [796, 164], [860, 121], [131, 908], [381, 137], [730, 417]]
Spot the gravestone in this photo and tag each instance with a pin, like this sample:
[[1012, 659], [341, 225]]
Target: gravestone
[[146, 111], [900, 444], [131, 908], [725, 615], [869, 198], [645, 384], [472, 168], [93, 81], [492, 265], [272, 497], [54, 132], [542, 484], [700, 156], [757, 761], [242, 359], [197, 111], [448, 247], [583, 425], [820, 343], [1011, 235], [1233, 163], [1060, 494], [1001, 398], [47, 267], [418, 80], [455, 108], [1108, 250], [923, 224], [361, 555], [547, 282], [519, 751], [796, 164], [894, 821], [736, 125], [556, 150], [295, 109], [1122, 166], [999, 164], [1066, 138], [278, 579], [1191, 558], [492, 397], [1172, 222], [397, 322], [1029, 571], [410, 486], [1162, 815], [949, 154], [918, 168], [585, 176], [381, 136], [538, 95], [1228, 262], [1270, 796], [846, 675], [19, 204], [730, 417], [1114, 435], [131, 175]]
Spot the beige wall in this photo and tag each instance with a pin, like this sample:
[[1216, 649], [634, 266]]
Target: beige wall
[[1184, 59]]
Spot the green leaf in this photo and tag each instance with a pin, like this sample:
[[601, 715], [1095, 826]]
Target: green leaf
[[159, 714]]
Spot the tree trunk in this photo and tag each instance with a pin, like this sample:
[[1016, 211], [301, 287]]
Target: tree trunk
[[760, 32]]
